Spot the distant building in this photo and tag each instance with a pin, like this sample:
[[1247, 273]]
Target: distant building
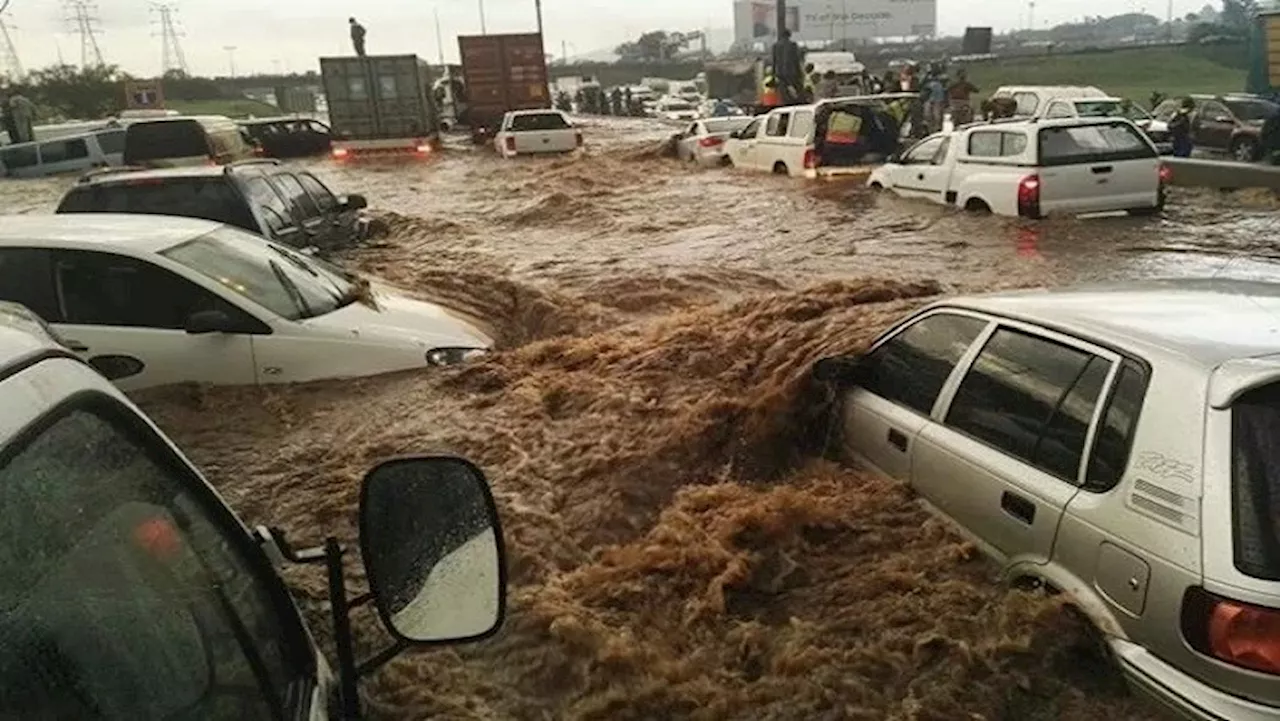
[[819, 21]]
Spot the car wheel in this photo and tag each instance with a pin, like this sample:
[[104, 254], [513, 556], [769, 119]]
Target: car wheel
[[876, 186], [977, 206], [780, 168], [1244, 150], [1145, 212]]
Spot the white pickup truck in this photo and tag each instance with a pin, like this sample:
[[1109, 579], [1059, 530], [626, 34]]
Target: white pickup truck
[[1033, 168], [527, 132]]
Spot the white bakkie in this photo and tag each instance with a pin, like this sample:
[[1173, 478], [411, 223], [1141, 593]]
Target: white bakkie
[[528, 132], [1033, 168], [151, 301]]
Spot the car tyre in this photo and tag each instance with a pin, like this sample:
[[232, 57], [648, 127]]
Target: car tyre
[[977, 206], [780, 168], [1244, 150], [876, 186]]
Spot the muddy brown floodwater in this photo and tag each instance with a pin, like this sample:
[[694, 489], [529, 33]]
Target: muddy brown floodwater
[[679, 546]]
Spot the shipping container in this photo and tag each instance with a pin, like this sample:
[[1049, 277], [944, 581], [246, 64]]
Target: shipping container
[[380, 103], [736, 80], [295, 99], [503, 73], [1264, 49]]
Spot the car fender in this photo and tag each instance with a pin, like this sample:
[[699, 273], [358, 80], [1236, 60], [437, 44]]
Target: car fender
[[883, 175], [999, 190], [1081, 595]]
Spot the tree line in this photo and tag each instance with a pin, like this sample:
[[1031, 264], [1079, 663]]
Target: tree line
[[63, 92]]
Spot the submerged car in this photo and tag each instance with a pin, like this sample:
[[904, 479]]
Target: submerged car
[[150, 300], [1119, 445], [132, 591]]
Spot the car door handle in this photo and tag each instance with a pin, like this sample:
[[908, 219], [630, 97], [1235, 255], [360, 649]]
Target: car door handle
[[898, 439], [76, 345], [1020, 508], [1101, 169]]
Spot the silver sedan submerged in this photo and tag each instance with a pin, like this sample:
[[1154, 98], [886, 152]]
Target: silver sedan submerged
[[1118, 445], [703, 142]]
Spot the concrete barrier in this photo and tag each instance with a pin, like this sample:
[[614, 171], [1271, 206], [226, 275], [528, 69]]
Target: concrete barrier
[[1222, 174]]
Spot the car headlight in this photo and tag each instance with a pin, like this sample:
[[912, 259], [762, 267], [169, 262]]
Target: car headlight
[[440, 357]]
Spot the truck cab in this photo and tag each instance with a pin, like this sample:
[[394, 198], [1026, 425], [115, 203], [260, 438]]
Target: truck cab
[[131, 590]]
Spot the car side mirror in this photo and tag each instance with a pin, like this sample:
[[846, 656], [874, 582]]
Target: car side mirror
[[209, 321], [894, 157], [433, 550], [840, 370], [355, 201]]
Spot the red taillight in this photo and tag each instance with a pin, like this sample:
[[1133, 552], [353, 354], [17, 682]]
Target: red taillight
[[810, 158], [1029, 197], [578, 138], [423, 149], [1238, 633], [1166, 174], [710, 141], [341, 153], [511, 144]]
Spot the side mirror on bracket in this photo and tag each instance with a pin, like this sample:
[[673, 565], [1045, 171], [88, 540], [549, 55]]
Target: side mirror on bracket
[[355, 201], [840, 370]]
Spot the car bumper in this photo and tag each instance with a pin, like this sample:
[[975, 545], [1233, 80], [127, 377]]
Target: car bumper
[[1181, 695]]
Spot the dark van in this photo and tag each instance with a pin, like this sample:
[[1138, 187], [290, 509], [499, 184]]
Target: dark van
[[184, 141]]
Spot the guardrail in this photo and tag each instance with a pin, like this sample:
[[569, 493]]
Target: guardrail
[[1222, 174]]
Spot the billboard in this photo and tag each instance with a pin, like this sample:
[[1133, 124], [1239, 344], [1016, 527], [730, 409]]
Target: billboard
[[817, 21]]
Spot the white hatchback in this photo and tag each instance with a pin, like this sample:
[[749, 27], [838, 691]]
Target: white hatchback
[[157, 300]]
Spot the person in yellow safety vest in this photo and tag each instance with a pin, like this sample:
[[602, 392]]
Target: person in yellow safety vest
[[810, 83], [770, 98], [841, 141]]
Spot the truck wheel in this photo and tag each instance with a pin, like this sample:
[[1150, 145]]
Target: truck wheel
[[780, 168], [977, 206], [1244, 150]]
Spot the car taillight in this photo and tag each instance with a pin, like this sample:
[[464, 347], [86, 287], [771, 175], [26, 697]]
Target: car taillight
[[578, 138], [423, 149], [341, 153], [1237, 633], [810, 158], [1029, 196], [1166, 174], [710, 141], [511, 144]]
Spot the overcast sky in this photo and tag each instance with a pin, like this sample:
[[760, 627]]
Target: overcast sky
[[291, 34]]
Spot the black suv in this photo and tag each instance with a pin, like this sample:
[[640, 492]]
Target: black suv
[[284, 204], [1229, 124]]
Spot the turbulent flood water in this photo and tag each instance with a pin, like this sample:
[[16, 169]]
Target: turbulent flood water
[[679, 545]]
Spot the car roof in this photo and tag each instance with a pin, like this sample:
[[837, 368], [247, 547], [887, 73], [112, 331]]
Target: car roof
[[20, 339], [1207, 321], [130, 234], [109, 176]]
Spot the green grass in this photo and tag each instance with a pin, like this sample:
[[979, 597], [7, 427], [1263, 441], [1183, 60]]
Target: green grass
[[1132, 73], [239, 108]]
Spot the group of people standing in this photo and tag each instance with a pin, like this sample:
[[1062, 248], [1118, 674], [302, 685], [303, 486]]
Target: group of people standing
[[593, 100]]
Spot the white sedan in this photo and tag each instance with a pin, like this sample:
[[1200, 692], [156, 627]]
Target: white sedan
[[152, 301]]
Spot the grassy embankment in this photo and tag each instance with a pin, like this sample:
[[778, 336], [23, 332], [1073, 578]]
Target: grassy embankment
[[1132, 73], [232, 108]]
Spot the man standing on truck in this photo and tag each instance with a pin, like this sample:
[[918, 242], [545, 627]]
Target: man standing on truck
[[787, 70], [959, 98], [357, 36]]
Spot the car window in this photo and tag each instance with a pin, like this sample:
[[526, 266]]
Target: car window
[[923, 151], [940, 157], [122, 597], [319, 193], [267, 200], [1165, 111], [1114, 439], [1100, 109], [297, 195], [23, 156], [996, 144], [1251, 110], [114, 290], [1026, 102], [165, 139], [1080, 144], [1255, 482], [26, 277], [776, 127], [57, 151], [801, 124], [208, 198], [911, 367], [111, 141], [1031, 398], [751, 130], [538, 121], [1212, 109], [726, 125], [1058, 110]]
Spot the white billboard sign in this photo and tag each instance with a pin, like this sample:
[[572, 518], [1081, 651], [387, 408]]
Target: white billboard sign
[[815, 21]]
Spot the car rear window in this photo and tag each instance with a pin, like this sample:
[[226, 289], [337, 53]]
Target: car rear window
[[1094, 143], [169, 139], [1255, 482], [111, 141], [541, 121], [1252, 110], [208, 198], [726, 126]]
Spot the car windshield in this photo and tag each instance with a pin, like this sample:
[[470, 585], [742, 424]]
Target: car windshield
[[1255, 482], [281, 280], [208, 198], [1252, 110], [1110, 108]]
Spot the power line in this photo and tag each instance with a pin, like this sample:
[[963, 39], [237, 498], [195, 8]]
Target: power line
[[10, 66], [85, 22], [171, 55]]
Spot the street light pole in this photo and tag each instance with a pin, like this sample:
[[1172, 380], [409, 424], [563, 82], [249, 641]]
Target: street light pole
[[537, 6], [483, 31], [231, 58]]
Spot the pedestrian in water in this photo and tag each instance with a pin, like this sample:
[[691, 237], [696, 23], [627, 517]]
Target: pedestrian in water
[[357, 36], [1180, 129], [628, 106], [615, 100]]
